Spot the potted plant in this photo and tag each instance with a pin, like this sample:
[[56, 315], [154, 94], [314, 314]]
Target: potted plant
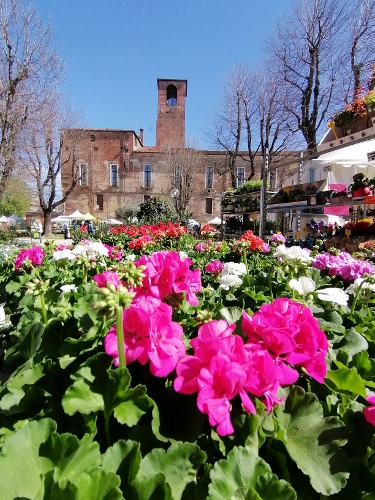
[[361, 186]]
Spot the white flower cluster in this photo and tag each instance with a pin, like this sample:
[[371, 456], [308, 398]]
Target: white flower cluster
[[295, 253], [230, 275], [305, 285], [92, 250]]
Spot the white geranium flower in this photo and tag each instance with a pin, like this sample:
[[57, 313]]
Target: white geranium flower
[[357, 283], [2, 314], [63, 254], [183, 255], [229, 280], [281, 251], [97, 248], [68, 288], [131, 257], [303, 285], [234, 268], [335, 295], [79, 250], [293, 253]]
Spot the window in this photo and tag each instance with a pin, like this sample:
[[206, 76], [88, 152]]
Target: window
[[147, 175], [209, 177], [240, 176], [371, 156], [114, 175], [312, 174], [146, 197], [208, 205], [171, 95], [83, 174], [99, 201]]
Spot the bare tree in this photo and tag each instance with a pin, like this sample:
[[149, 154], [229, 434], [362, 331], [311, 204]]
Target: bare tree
[[183, 164], [29, 68], [226, 133], [251, 120], [306, 50], [361, 31], [50, 142]]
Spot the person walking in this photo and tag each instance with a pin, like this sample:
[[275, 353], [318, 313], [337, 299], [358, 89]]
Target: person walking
[[90, 228], [66, 230], [38, 228], [75, 224]]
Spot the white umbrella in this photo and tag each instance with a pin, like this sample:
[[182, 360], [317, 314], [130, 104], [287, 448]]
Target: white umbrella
[[216, 221]]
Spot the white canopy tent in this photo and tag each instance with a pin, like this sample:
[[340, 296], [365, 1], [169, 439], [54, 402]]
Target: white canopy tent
[[60, 218], [345, 162], [75, 215], [216, 221]]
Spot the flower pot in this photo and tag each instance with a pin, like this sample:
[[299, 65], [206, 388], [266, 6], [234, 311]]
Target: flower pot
[[361, 191]]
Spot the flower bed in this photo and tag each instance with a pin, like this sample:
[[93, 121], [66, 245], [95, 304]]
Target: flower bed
[[183, 369]]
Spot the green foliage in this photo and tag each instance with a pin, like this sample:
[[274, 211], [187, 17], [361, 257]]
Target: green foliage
[[313, 441], [244, 475], [127, 213], [157, 209], [16, 198], [73, 426]]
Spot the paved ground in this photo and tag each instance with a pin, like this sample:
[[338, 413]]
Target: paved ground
[[28, 241]]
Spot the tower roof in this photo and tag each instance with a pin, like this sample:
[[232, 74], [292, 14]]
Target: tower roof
[[173, 80]]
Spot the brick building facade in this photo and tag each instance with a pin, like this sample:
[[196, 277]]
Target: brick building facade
[[116, 168]]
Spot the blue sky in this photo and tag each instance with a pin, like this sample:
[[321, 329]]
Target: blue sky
[[116, 49]]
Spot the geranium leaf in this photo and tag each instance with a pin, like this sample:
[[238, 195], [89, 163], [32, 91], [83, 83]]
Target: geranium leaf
[[231, 314], [31, 341], [312, 441], [179, 464], [98, 484], [17, 386], [352, 343], [137, 403], [244, 475], [70, 456], [80, 397], [150, 488], [346, 380], [123, 459], [21, 467]]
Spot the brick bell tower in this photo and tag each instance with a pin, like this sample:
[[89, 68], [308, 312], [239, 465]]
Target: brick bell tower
[[170, 124]]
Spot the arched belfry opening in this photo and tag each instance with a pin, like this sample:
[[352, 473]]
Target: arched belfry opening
[[171, 95], [170, 123]]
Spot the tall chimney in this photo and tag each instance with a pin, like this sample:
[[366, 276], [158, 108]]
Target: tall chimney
[[141, 135]]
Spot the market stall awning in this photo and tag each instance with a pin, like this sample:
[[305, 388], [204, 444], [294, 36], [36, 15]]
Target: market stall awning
[[88, 216], [216, 221], [75, 215]]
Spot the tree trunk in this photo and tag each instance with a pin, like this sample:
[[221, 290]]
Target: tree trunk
[[47, 223]]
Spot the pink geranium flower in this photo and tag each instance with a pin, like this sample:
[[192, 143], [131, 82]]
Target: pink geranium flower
[[214, 267], [290, 333], [167, 277], [149, 334], [28, 257], [107, 277], [369, 411]]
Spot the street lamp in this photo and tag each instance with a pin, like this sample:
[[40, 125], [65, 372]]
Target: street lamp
[[174, 192]]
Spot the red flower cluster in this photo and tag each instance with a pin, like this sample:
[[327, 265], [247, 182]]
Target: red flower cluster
[[141, 242], [207, 230], [157, 231], [250, 241]]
